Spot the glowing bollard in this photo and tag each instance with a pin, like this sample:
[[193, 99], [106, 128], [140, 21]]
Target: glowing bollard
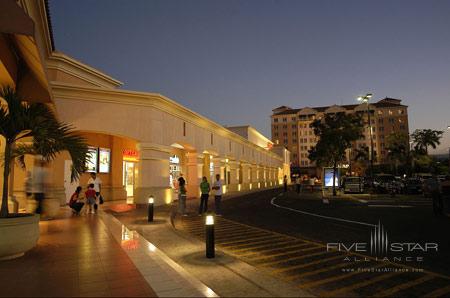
[[209, 234], [151, 201]]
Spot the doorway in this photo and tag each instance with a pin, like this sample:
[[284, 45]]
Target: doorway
[[128, 177]]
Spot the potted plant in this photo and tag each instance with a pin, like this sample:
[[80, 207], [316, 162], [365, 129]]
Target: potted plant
[[46, 136]]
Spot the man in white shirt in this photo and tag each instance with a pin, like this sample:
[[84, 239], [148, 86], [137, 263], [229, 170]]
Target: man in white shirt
[[217, 186], [97, 187]]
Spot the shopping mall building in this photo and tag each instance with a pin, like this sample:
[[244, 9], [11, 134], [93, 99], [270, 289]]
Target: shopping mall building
[[140, 142]]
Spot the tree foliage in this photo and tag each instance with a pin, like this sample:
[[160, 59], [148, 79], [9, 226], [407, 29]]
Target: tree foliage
[[336, 133], [21, 120], [424, 138]]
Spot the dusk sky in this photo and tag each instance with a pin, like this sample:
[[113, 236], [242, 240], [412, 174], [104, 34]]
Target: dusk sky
[[234, 61]]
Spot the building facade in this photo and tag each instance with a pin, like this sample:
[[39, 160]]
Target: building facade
[[140, 142], [291, 128]]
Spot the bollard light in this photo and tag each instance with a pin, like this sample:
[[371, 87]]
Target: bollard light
[[151, 201], [209, 234]]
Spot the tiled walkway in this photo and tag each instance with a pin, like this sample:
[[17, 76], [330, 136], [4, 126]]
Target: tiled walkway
[[75, 256]]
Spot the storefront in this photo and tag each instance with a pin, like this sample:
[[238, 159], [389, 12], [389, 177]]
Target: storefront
[[174, 170], [130, 157]]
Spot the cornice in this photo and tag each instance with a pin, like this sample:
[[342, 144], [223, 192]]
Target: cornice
[[69, 65], [155, 100]]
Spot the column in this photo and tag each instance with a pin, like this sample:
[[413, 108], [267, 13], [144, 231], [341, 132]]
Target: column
[[152, 175], [254, 179], [234, 176], [245, 176], [194, 173]]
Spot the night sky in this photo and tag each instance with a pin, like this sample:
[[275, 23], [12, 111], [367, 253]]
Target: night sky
[[234, 61]]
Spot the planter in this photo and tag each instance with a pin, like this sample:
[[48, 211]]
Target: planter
[[18, 235]]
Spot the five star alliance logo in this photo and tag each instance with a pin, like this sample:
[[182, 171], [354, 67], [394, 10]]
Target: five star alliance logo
[[379, 241]]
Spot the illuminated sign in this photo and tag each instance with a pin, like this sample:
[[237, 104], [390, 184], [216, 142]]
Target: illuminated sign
[[91, 162], [328, 177], [130, 153], [104, 158], [174, 159]]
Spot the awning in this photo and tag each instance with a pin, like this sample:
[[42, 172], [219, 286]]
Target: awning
[[17, 43], [14, 20]]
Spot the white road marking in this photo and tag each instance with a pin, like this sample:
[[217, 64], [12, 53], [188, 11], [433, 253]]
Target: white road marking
[[390, 206], [321, 216], [363, 201]]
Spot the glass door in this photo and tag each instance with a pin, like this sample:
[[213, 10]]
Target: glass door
[[128, 177]]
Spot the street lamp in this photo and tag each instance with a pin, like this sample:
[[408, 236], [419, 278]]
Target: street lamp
[[151, 202], [365, 99]]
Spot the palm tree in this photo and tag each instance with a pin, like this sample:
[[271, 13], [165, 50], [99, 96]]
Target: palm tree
[[20, 120], [424, 138]]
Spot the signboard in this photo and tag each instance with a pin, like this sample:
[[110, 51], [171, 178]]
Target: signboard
[[174, 159], [104, 158], [328, 177], [92, 160]]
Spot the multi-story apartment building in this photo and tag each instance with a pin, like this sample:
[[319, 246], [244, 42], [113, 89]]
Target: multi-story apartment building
[[291, 127]]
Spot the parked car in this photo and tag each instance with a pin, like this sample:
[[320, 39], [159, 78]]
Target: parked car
[[382, 182], [353, 184], [413, 186]]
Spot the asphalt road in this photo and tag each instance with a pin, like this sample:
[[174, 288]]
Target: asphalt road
[[349, 220]]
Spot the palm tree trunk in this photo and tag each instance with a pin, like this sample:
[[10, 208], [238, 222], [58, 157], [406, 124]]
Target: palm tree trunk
[[6, 164]]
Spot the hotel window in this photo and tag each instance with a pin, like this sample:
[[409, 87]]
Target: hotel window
[[381, 128], [284, 126], [400, 112], [184, 129], [229, 145], [275, 127], [301, 140], [212, 139], [380, 112], [294, 118], [275, 134], [285, 141], [294, 133], [294, 140], [391, 120], [294, 126], [284, 119], [275, 120], [380, 120], [285, 134], [390, 112]]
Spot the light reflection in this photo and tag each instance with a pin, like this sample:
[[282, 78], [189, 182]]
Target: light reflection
[[151, 247], [209, 293], [129, 239]]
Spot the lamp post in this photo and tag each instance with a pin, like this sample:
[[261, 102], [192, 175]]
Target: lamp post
[[209, 234], [151, 201], [366, 99]]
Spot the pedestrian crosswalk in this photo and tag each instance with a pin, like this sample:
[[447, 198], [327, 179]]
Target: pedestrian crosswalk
[[309, 265]]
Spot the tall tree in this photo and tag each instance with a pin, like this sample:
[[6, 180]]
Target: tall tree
[[397, 148], [21, 120], [424, 138], [336, 133]]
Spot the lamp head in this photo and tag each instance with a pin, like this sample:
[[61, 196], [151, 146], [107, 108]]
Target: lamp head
[[209, 220], [151, 199]]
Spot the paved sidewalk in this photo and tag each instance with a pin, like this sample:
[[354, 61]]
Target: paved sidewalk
[[94, 255], [75, 256], [226, 275]]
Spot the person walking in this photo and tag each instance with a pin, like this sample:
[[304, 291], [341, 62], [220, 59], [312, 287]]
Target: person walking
[[97, 187], [39, 182], [205, 189], [182, 194], [298, 183], [75, 201], [91, 197], [218, 195], [285, 183]]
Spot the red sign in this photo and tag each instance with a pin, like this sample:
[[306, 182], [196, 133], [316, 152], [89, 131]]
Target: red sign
[[130, 153]]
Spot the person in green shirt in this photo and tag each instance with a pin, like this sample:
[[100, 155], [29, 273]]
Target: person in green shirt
[[205, 189]]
